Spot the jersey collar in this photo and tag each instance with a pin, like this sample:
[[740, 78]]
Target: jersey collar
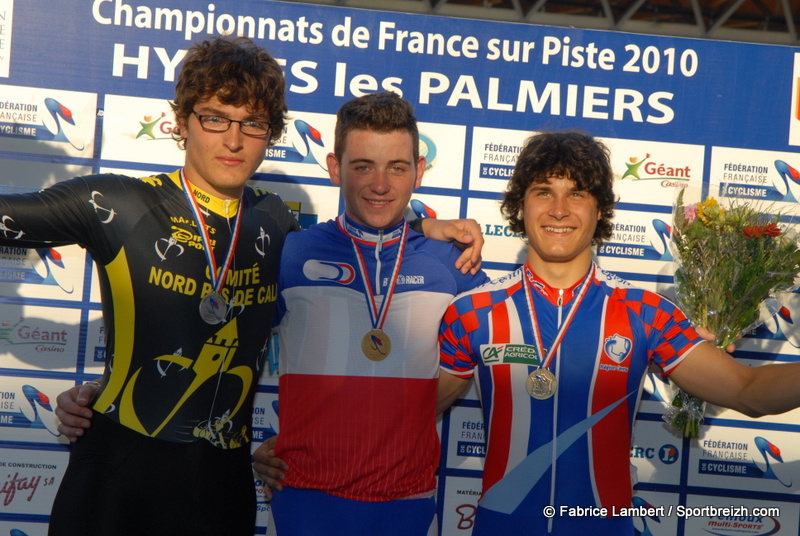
[[552, 294], [226, 208], [367, 235]]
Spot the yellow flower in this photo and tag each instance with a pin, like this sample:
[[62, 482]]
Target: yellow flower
[[709, 210]]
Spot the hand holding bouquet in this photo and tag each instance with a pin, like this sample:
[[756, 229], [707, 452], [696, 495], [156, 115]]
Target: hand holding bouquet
[[731, 263]]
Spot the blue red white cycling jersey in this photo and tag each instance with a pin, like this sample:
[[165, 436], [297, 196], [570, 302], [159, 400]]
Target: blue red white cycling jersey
[[571, 449], [349, 426]]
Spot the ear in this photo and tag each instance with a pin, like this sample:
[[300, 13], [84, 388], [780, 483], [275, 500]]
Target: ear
[[181, 125], [421, 165], [333, 169]]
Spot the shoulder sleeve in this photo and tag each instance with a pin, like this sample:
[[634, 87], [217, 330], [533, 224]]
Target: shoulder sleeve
[[291, 264], [59, 215], [277, 209], [670, 335], [456, 354], [447, 254]]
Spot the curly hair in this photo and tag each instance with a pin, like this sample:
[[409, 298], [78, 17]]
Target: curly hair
[[569, 154], [237, 72], [381, 112]]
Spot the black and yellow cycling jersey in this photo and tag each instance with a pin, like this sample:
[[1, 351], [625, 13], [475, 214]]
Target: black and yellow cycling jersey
[[169, 374]]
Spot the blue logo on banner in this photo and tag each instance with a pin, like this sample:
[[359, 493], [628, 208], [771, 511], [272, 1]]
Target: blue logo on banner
[[747, 469], [657, 249], [307, 146], [668, 454], [58, 111], [782, 191], [427, 148], [467, 448], [422, 210], [496, 171], [35, 412]]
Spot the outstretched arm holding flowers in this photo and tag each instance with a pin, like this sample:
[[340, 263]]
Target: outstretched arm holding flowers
[[713, 375]]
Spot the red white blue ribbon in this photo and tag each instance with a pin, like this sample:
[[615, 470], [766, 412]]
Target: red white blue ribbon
[[217, 279], [377, 313], [547, 355]]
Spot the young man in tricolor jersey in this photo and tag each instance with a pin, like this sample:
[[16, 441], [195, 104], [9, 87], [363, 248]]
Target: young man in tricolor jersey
[[361, 298], [559, 349]]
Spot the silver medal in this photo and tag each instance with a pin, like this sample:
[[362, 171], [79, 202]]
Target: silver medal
[[213, 308], [541, 384]]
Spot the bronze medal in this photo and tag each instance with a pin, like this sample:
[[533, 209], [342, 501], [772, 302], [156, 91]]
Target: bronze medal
[[541, 384], [376, 345]]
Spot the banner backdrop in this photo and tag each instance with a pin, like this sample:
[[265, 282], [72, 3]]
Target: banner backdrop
[[84, 88]]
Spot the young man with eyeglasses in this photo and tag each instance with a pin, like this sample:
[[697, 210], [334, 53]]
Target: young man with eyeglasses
[[188, 290], [188, 267]]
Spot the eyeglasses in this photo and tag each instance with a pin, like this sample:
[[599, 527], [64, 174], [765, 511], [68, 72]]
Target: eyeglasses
[[215, 123]]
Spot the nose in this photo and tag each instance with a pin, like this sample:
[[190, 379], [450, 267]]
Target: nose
[[380, 184], [559, 208], [233, 137]]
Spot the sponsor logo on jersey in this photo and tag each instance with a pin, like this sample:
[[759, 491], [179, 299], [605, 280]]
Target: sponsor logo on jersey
[[507, 354], [406, 280], [106, 215], [336, 272], [618, 348]]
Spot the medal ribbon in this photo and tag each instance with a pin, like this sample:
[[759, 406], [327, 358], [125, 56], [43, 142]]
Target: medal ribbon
[[547, 358], [377, 315], [217, 281]]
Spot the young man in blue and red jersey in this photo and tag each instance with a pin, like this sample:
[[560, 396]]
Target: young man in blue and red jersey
[[361, 298], [559, 349]]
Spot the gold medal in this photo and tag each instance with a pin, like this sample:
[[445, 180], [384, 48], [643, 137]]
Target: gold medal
[[376, 345], [541, 384]]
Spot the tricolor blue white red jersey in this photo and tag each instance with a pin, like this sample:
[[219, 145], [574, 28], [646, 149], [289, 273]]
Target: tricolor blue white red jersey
[[350, 426], [573, 448]]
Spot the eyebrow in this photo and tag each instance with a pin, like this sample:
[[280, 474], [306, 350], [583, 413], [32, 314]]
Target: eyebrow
[[369, 161], [210, 110], [547, 186]]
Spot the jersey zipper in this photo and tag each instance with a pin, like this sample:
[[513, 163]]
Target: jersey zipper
[[378, 249], [557, 366]]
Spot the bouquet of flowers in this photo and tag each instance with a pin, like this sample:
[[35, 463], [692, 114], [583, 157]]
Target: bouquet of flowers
[[732, 265]]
